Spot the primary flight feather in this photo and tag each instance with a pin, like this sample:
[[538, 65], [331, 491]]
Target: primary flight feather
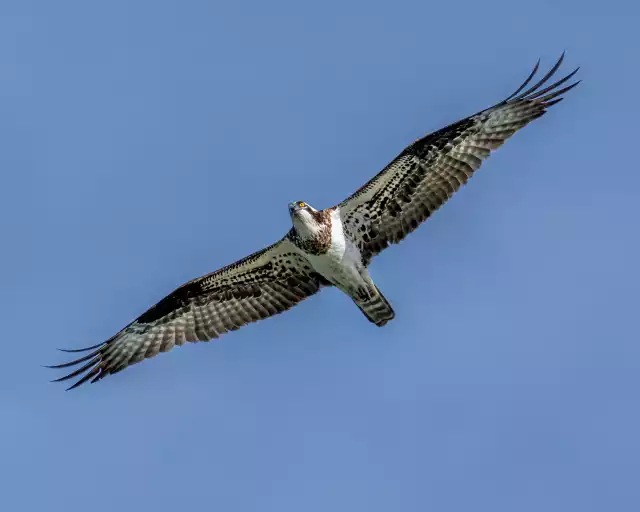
[[331, 247]]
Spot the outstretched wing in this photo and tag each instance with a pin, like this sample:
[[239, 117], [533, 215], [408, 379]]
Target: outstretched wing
[[428, 172], [263, 284]]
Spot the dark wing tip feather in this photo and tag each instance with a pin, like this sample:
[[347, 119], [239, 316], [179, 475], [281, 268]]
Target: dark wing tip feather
[[544, 79], [86, 349], [545, 95], [93, 365], [73, 363], [95, 370], [79, 370], [525, 83]]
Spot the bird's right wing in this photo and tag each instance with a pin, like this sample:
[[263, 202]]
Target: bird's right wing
[[263, 284], [429, 171]]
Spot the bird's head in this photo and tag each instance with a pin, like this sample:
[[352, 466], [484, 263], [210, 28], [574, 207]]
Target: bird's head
[[306, 219], [300, 208]]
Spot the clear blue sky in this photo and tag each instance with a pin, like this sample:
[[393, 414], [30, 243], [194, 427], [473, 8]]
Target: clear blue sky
[[145, 143]]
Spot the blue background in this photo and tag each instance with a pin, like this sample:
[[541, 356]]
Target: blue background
[[144, 143]]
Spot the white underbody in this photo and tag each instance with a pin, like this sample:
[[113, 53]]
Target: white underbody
[[342, 263]]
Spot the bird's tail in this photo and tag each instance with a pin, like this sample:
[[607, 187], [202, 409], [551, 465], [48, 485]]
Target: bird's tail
[[376, 308]]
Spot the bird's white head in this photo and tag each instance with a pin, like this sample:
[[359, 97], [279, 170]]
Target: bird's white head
[[306, 219]]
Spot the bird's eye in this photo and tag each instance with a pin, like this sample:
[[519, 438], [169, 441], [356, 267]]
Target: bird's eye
[[302, 204]]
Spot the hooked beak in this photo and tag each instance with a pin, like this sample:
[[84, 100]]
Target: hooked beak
[[293, 208]]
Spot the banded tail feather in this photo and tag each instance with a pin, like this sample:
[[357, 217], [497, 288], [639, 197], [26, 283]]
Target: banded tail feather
[[376, 308]]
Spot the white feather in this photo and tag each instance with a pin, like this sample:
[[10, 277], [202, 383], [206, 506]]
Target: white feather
[[341, 264]]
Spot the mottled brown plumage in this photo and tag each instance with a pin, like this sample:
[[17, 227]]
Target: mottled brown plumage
[[320, 242]]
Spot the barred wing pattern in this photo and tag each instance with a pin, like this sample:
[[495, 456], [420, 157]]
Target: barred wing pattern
[[429, 171], [261, 285]]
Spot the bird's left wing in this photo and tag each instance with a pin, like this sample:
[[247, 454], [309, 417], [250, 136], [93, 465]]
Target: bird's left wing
[[263, 284], [429, 171]]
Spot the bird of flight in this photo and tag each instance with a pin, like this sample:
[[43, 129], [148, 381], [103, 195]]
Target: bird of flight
[[331, 247]]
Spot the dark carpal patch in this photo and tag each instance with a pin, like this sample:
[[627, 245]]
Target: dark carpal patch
[[171, 303]]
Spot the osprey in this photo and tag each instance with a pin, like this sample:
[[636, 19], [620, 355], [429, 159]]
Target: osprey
[[331, 247]]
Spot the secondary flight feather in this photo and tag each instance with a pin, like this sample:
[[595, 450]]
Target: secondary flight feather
[[331, 247]]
